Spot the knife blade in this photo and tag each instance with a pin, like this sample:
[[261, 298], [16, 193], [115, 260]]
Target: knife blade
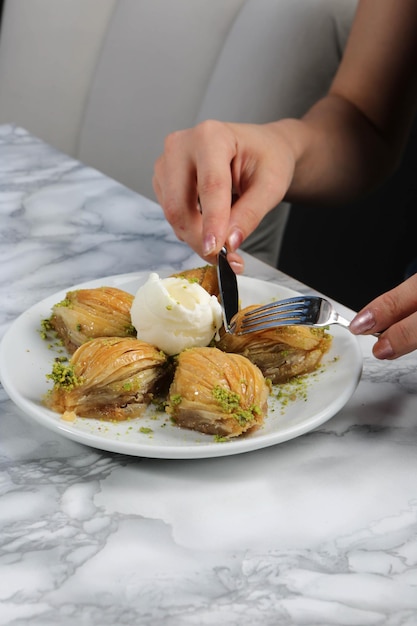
[[229, 293]]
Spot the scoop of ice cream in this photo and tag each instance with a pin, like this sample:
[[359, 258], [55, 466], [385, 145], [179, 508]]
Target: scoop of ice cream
[[175, 314]]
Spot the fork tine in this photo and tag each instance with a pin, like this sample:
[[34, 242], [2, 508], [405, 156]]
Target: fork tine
[[286, 314], [291, 311], [277, 312], [245, 330], [282, 308], [295, 301], [300, 310]]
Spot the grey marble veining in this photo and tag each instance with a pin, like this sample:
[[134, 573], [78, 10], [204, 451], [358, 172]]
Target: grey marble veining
[[321, 530]]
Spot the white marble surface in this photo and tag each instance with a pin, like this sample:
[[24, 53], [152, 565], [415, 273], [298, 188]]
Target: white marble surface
[[321, 530]]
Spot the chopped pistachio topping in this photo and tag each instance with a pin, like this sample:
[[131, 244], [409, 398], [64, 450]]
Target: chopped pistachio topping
[[189, 278], [131, 330], [230, 403], [228, 400], [46, 328], [64, 376], [175, 399], [295, 389], [64, 302]]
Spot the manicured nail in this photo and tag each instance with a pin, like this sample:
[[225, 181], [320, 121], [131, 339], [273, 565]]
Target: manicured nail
[[383, 349], [237, 267], [234, 240], [209, 244], [362, 322]]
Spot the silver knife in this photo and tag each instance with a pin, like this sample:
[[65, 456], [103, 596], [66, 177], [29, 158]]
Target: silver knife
[[229, 294]]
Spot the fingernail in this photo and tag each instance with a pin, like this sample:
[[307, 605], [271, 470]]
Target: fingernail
[[235, 239], [363, 322], [237, 267], [209, 244], [383, 349]]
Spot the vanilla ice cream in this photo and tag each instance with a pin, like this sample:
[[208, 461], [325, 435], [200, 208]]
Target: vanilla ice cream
[[175, 313]]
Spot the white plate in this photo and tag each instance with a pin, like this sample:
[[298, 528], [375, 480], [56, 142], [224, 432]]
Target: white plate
[[25, 359]]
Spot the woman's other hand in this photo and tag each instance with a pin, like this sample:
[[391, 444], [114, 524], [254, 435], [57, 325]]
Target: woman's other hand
[[394, 315]]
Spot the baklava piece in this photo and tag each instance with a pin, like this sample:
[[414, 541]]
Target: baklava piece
[[205, 276], [85, 314], [281, 353], [109, 378], [217, 393]]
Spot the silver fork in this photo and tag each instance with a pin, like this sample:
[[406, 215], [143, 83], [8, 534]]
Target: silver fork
[[300, 310]]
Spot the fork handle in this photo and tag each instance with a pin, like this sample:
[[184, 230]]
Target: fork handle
[[345, 323], [342, 321]]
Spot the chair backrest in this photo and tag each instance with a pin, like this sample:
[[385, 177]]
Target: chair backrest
[[106, 80], [150, 79]]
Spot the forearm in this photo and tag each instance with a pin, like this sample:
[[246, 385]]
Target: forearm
[[344, 146], [354, 137], [338, 153]]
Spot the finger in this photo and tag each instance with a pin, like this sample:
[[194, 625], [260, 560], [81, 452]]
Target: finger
[[263, 194], [156, 187], [215, 152], [175, 183], [388, 309], [236, 261], [395, 311], [398, 340]]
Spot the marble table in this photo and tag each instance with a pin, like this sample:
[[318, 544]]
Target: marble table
[[319, 530]]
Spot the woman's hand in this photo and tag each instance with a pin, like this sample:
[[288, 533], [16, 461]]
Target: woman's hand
[[216, 181], [394, 315]]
